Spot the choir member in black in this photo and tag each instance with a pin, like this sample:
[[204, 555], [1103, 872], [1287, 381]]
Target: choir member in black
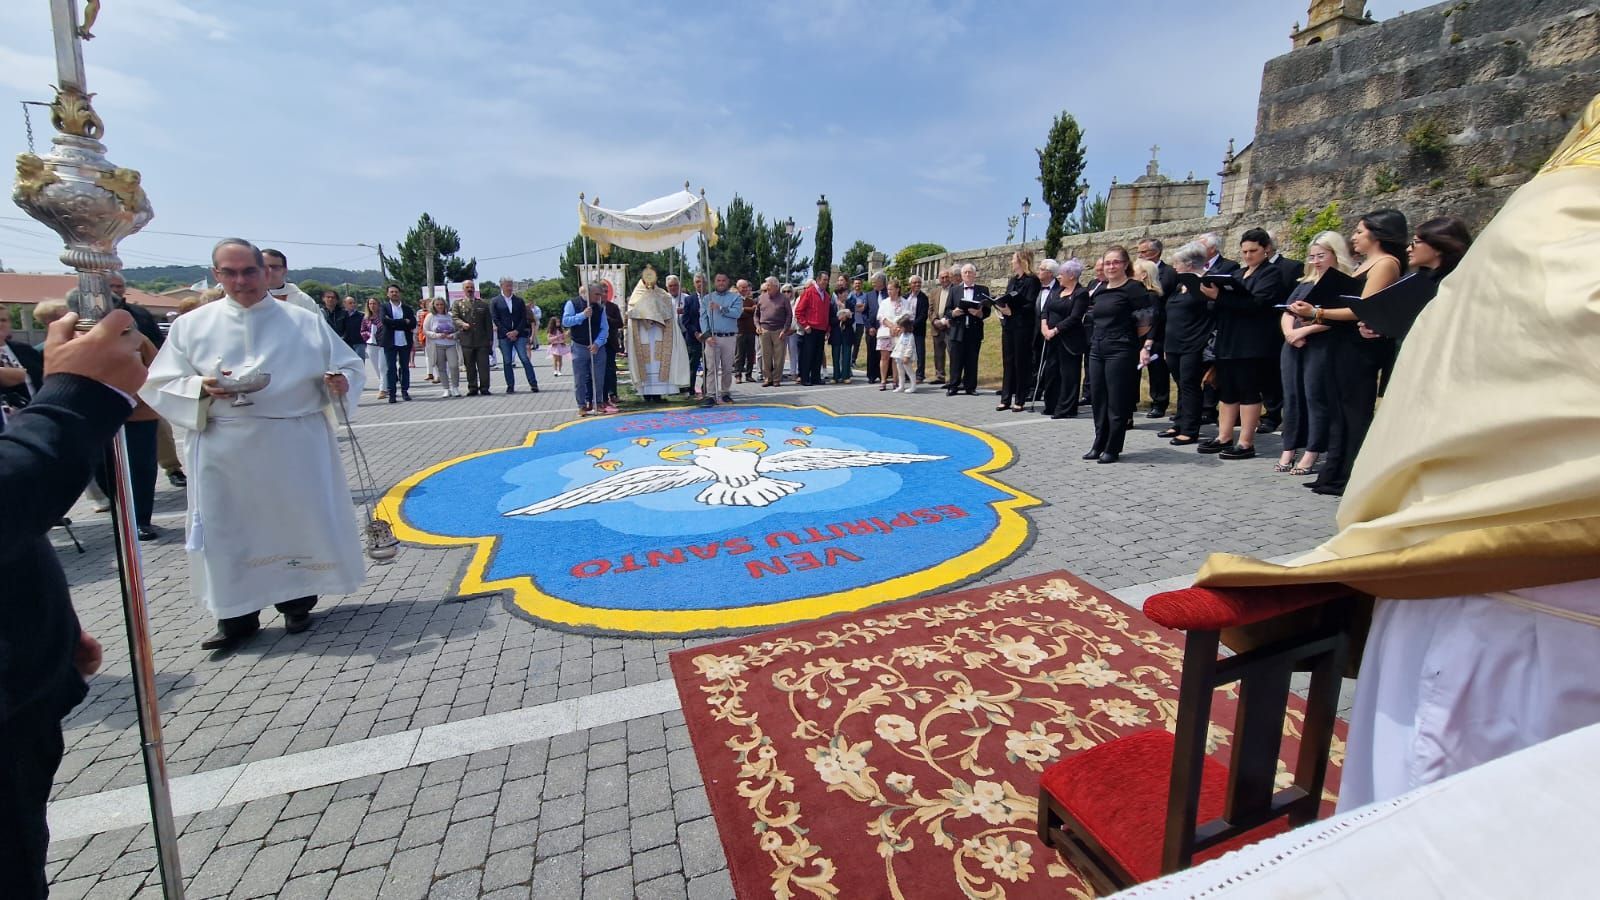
[[1182, 335], [1356, 353], [1160, 373], [1247, 347], [1216, 264], [966, 306], [1094, 285], [1046, 270], [1292, 271], [1438, 245], [1018, 309], [1066, 340], [1113, 354], [1307, 402]]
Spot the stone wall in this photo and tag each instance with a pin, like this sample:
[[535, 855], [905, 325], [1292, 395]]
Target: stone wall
[[1154, 199], [1499, 81], [1503, 81]]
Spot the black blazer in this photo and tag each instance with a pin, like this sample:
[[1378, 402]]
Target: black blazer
[[407, 322], [1224, 266], [1291, 269], [1066, 312], [1187, 325], [966, 327], [1247, 323], [1023, 305], [47, 451], [919, 318], [513, 319], [1167, 277], [1112, 309]]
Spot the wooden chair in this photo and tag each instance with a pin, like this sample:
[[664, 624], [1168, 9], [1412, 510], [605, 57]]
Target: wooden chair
[[1151, 803]]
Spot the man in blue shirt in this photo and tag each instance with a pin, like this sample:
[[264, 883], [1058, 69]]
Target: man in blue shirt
[[719, 329], [585, 319]]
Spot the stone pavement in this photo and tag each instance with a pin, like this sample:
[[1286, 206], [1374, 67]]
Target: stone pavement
[[476, 753]]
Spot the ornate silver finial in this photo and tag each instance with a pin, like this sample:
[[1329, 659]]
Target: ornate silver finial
[[74, 190]]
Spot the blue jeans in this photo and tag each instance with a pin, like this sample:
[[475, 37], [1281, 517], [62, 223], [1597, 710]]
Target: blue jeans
[[398, 360], [586, 364], [520, 345]]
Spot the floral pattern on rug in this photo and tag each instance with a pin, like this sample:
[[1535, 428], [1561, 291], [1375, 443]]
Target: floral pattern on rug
[[925, 727]]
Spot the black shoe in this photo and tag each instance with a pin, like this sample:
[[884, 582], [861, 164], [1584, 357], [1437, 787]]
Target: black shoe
[[221, 640], [393, 400], [1328, 491], [178, 479], [937, 381], [1267, 427], [1238, 452], [1169, 433], [951, 393], [727, 398], [148, 533], [405, 396], [1208, 420], [294, 623], [485, 391], [1183, 441], [1156, 413], [1107, 457], [534, 389], [709, 401], [511, 390], [1071, 415], [970, 393], [1214, 446], [1092, 454]]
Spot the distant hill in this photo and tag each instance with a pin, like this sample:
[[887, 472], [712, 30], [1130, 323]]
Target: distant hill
[[164, 277]]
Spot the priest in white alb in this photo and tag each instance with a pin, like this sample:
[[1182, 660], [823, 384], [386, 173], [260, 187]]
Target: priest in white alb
[[270, 519]]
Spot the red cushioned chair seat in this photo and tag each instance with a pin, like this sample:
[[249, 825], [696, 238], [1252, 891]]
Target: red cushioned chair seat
[[1213, 609], [1116, 793]]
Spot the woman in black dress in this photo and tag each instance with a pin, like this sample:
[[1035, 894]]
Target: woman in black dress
[[1356, 353], [1018, 309], [1065, 342], [1113, 359], [1182, 335]]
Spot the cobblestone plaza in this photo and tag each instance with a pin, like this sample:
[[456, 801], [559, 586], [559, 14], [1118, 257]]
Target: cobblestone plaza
[[414, 743]]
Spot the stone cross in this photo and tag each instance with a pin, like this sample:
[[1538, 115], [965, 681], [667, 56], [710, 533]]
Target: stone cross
[[1154, 168]]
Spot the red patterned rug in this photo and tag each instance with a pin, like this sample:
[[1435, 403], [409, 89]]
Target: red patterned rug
[[896, 752]]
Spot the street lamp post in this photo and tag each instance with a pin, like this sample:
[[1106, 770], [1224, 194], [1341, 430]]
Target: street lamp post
[[77, 193], [788, 262], [1027, 210]]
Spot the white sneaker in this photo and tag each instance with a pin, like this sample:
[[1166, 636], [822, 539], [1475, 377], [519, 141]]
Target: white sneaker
[[909, 389]]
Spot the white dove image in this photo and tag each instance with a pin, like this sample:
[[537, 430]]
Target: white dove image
[[737, 477]]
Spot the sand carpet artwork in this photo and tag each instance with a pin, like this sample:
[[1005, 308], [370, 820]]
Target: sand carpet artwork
[[896, 752], [720, 520]]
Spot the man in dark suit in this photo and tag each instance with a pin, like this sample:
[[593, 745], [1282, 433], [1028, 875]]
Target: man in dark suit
[[143, 319], [966, 308], [919, 324], [688, 309], [1049, 287], [1160, 376], [396, 330], [874, 300], [47, 451], [1216, 264], [511, 326]]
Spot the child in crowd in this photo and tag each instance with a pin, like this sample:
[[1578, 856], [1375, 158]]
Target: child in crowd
[[559, 349]]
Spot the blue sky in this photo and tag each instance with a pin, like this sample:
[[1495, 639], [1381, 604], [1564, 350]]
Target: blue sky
[[339, 122]]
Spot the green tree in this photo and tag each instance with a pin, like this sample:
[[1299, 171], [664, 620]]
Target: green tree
[[855, 259], [1060, 176], [901, 266], [1091, 216], [824, 239], [409, 266], [549, 294], [738, 237]]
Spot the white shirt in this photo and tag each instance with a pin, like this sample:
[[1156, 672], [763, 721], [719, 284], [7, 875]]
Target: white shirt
[[400, 338]]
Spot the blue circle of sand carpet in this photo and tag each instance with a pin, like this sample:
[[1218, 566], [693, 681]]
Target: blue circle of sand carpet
[[683, 551]]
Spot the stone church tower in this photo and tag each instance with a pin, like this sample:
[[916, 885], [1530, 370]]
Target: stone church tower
[[1329, 19]]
